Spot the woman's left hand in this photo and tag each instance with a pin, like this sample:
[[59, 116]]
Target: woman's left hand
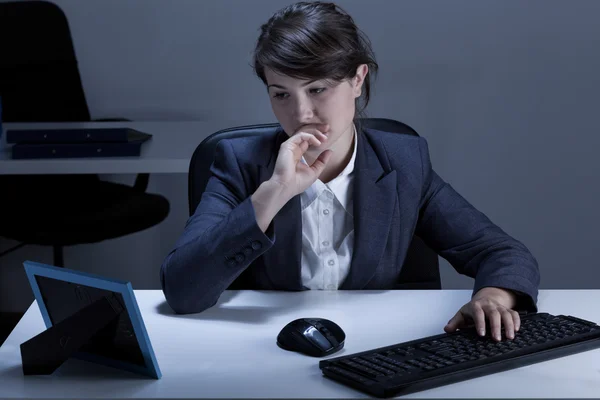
[[493, 304]]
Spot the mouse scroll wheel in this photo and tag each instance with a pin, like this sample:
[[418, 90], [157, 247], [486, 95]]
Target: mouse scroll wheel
[[324, 330]]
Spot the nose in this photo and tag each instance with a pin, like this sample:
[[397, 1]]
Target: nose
[[304, 111]]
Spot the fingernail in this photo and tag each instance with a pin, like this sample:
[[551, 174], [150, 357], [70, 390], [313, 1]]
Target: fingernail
[[482, 332], [498, 337]]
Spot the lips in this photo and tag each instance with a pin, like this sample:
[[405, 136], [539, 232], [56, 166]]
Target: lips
[[314, 125]]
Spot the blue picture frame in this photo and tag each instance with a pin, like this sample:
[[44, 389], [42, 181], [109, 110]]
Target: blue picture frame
[[151, 368]]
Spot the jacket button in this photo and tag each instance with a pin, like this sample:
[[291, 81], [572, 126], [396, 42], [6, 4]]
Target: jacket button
[[239, 257], [256, 245], [231, 263], [248, 250]]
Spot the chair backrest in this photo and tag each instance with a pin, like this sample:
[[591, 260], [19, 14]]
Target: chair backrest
[[39, 76], [421, 261]]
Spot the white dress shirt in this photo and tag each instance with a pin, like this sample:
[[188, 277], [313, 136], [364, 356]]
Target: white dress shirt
[[328, 229]]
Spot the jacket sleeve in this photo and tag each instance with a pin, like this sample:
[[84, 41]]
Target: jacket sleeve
[[219, 241], [471, 243]]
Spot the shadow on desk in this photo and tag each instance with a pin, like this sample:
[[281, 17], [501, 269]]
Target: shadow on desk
[[222, 312], [244, 314]]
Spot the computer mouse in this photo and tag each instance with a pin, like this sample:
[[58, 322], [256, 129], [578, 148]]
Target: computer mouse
[[315, 337]]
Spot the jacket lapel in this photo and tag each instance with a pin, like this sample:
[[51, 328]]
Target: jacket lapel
[[374, 202], [283, 260]]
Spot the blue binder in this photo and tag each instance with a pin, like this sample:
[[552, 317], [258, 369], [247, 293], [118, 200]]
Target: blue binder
[[75, 143], [70, 135], [76, 150]]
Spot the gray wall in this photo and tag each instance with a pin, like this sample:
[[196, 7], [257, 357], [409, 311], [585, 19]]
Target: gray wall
[[506, 92]]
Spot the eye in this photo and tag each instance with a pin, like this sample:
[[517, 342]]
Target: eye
[[281, 96], [317, 90]]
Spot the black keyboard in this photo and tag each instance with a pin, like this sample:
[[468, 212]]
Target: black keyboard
[[453, 357]]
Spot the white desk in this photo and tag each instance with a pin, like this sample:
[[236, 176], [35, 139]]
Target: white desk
[[229, 350], [169, 150]]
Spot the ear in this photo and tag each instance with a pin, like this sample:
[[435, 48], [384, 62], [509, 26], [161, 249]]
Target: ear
[[359, 79]]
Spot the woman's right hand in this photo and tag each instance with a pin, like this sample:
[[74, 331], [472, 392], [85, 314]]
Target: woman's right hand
[[290, 173]]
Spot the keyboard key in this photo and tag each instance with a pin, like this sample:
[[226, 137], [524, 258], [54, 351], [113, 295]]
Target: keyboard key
[[388, 371]]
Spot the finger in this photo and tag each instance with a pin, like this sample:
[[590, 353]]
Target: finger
[[314, 132], [321, 128], [317, 130], [516, 319], [478, 318], [319, 165], [495, 322], [303, 147], [509, 325], [304, 137], [455, 322], [295, 144], [321, 136]]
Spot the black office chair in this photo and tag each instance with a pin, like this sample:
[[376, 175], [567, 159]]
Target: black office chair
[[421, 263], [40, 82]]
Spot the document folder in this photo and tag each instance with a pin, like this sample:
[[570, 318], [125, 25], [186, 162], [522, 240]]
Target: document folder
[[125, 142], [71, 135]]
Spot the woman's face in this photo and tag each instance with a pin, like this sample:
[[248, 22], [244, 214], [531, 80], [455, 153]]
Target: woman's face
[[299, 104]]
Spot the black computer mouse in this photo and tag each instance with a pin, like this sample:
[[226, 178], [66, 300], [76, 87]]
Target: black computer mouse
[[315, 337]]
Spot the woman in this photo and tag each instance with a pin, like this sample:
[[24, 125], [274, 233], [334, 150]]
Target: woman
[[326, 204]]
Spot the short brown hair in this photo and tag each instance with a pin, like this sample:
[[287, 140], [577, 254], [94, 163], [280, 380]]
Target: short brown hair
[[314, 40]]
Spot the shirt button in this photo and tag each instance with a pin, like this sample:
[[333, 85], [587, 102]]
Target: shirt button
[[325, 243], [326, 212], [330, 286], [331, 262]]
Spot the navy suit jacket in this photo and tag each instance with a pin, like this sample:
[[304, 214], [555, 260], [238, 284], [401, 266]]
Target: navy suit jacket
[[397, 194]]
